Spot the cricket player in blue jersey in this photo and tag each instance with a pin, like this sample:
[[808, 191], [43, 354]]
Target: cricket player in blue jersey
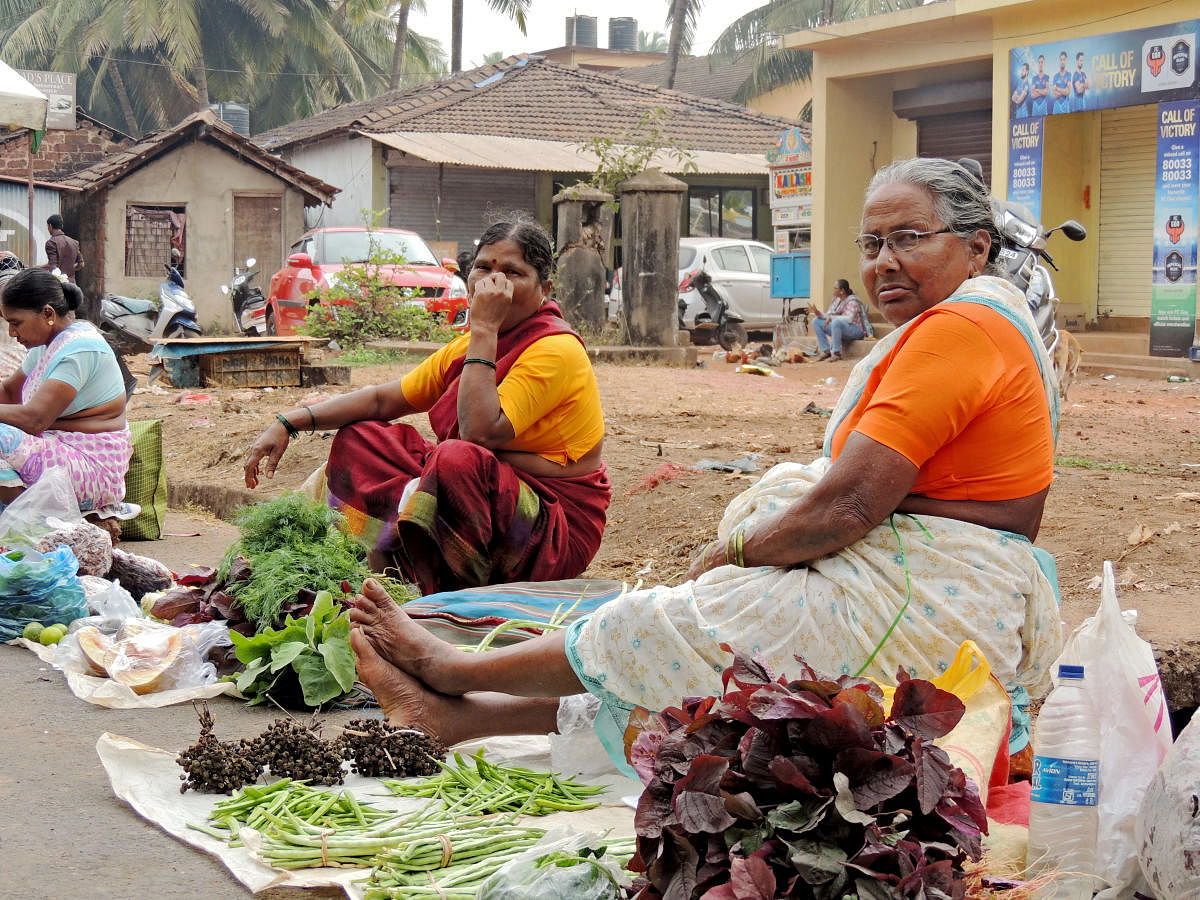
[[1079, 86], [1061, 87], [1020, 96], [1040, 90]]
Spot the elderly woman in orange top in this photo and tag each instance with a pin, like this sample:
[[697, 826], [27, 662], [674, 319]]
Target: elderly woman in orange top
[[911, 533], [514, 487]]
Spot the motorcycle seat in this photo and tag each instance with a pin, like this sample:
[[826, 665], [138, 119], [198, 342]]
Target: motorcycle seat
[[135, 305]]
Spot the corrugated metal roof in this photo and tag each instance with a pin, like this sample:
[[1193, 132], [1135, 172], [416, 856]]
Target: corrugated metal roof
[[527, 154]]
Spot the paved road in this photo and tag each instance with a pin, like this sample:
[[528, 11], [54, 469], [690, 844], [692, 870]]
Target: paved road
[[64, 834]]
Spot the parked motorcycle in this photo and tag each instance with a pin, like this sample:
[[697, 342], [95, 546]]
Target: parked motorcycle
[[133, 325], [716, 322], [249, 304], [1023, 260]]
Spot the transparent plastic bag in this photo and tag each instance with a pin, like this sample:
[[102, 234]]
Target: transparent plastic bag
[[145, 656], [48, 504], [547, 871], [575, 749], [38, 588], [1135, 730], [110, 605]]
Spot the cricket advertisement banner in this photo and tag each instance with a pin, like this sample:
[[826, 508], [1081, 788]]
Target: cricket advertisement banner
[[1176, 215], [1025, 164], [1104, 71]]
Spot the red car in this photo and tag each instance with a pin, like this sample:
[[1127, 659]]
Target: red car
[[319, 255]]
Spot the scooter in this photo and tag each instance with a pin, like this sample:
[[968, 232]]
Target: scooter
[[133, 325], [249, 304], [716, 322]]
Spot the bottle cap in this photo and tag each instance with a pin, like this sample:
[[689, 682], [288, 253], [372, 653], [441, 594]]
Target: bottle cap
[[1066, 671]]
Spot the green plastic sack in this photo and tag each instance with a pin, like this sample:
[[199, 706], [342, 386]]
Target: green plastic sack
[[146, 483], [39, 588]]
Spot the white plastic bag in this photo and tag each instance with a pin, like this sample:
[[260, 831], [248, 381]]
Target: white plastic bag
[[109, 604], [47, 504], [1168, 829], [575, 749], [522, 879], [1135, 730]]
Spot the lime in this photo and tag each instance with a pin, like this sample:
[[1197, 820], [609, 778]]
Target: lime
[[32, 630], [49, 636]]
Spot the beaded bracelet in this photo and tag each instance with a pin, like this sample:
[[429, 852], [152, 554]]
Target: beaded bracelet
[[481, 361], [287, 426]]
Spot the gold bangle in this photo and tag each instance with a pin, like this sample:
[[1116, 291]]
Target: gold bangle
[[741, 543], [733, 547]]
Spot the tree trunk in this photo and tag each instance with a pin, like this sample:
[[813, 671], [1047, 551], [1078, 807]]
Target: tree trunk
[[456, 26], [201, 83], [677, 17], [401, 42], [131, 124]]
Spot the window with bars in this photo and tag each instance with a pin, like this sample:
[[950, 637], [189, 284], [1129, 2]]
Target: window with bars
[[151, 234]]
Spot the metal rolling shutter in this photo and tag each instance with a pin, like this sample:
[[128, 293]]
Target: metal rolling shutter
[[470, 197], [957, 135], [1128, 152]]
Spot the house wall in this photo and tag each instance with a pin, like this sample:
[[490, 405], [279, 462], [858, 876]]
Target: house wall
[[859, 65], [788, 101], [353, 164], [61, 152], [203, 178]]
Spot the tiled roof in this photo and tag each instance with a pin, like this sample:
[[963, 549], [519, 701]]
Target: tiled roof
[[531, 97], [696, 75], [204, 124]]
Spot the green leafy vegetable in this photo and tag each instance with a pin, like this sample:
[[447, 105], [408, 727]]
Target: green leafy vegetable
[[316, 647]]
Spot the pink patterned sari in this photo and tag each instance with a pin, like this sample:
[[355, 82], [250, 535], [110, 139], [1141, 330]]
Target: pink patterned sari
[[96, 462]]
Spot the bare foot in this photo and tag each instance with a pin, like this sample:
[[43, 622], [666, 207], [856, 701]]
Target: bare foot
[[405, 701], [402, 642]]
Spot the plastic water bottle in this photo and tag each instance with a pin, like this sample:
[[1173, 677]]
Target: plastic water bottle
[[1063, 815]]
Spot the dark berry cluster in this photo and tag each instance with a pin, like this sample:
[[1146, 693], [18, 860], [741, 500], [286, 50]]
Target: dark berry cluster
[[216, 767], [380, 750], [291, 749]]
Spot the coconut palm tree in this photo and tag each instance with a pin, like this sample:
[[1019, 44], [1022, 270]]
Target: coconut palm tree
[[755, 35], [652, 43], [514, 9]]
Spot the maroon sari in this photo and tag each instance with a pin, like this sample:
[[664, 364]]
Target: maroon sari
[[470, 519]]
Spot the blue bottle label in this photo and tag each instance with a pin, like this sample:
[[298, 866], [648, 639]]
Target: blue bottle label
[[1067, 782]]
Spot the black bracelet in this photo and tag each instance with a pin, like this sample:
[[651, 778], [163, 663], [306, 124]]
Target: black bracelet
[[287, 426], [476, 359]]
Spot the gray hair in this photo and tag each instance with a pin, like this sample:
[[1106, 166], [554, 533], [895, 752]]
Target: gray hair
[[960, 199]]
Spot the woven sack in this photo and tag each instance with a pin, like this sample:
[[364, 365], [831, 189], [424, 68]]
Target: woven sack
[[146, 482]]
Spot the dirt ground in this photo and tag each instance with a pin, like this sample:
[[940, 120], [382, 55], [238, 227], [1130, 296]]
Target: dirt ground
[[1127, 486]]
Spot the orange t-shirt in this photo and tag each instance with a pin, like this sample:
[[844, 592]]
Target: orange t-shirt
[[549, 395], [961, 398]]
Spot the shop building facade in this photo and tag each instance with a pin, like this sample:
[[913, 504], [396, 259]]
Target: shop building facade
[[1077, 109]]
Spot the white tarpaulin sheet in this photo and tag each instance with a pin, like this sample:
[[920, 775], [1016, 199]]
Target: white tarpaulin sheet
[[497, 152], [21, 104], [148, 780]]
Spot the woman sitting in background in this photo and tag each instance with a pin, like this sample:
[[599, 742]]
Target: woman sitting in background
[[845, 320], [514, 488], [65, 405]]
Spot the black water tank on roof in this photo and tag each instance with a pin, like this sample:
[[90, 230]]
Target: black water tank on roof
[[622, 33], [581, 31]]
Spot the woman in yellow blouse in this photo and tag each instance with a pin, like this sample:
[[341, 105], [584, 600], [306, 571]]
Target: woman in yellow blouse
[[514, 488]]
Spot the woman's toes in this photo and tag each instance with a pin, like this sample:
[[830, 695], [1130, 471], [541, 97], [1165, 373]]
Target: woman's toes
[[373, 591]]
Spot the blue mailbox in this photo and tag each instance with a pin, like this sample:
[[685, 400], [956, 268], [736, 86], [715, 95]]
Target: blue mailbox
[[790, 274]]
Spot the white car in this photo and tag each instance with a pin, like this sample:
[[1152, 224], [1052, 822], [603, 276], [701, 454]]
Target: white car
[[742, 269]]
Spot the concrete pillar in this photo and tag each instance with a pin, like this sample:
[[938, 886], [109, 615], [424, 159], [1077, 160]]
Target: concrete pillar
[[585, 221], [650, 205]]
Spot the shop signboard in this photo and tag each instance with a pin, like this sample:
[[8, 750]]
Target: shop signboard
[[59, 87], [1103, 71], [792, 148], [1025, 164], [1176, 218]]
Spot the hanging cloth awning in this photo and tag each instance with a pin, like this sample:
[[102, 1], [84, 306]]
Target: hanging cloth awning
[[21, 104]]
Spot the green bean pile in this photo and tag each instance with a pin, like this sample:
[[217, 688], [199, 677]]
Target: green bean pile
[[463, 857], [476, 786]]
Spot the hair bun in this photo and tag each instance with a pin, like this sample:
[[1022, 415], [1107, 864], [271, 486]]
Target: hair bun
[[73, 295]]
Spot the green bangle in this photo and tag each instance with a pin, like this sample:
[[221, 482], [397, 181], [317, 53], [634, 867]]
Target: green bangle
[[287, 426], [313, 418]]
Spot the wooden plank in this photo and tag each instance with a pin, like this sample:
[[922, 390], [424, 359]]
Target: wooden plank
[[274, 367]]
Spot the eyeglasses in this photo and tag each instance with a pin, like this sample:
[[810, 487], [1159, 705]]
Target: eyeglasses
[[898, 241]]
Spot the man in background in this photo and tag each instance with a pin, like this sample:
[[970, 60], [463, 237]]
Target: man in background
[[1040, 90], [62, 252], [1079, 86]]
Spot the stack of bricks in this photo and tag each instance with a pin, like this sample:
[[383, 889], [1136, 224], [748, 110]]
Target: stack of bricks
[[61, 152]]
